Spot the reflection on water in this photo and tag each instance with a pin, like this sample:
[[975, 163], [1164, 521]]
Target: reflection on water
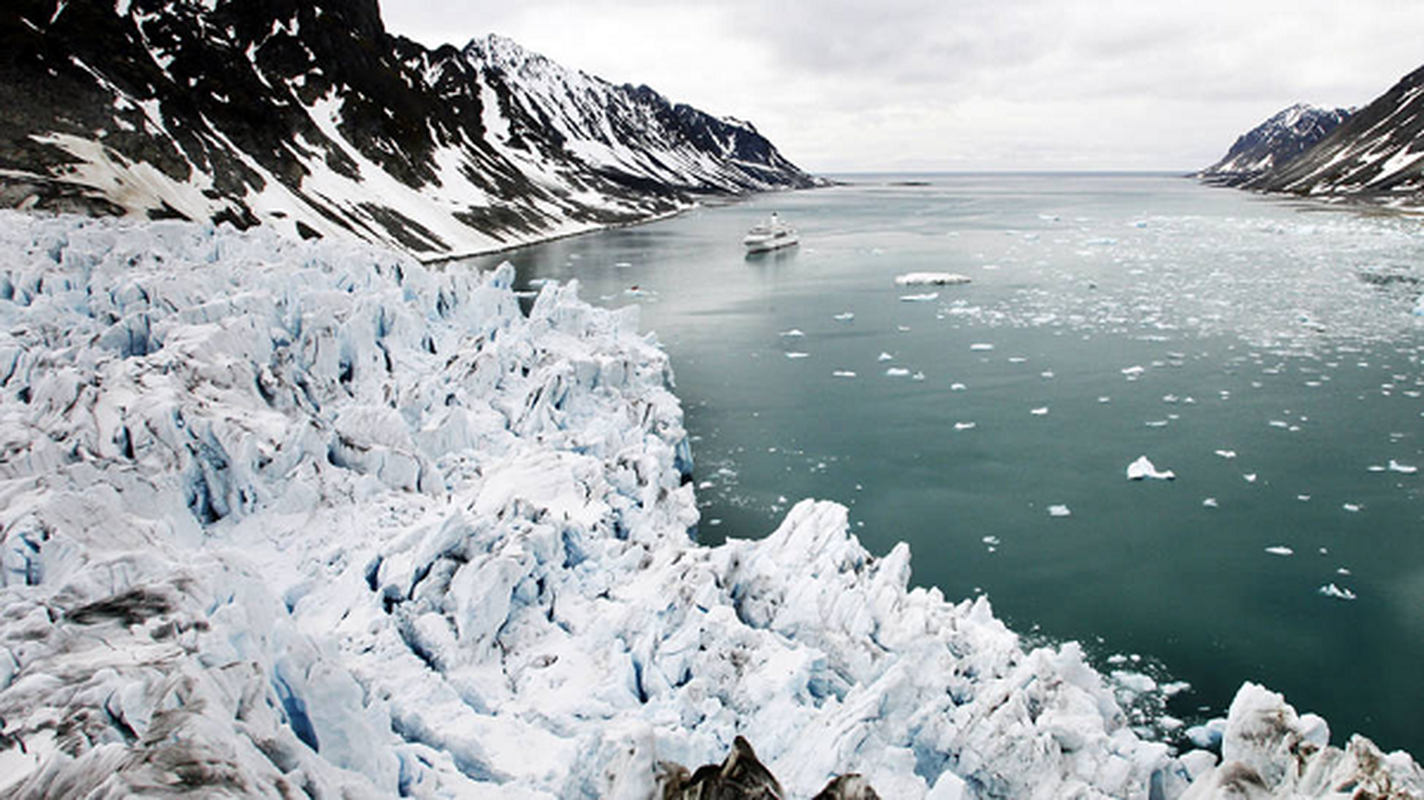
[[1264, 351]]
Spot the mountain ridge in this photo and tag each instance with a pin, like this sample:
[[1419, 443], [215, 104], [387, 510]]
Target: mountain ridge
[[1275, 142], [320, 122], [1373, 156], [1377, 155]]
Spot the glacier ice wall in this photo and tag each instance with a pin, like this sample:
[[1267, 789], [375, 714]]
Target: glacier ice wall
[[282, 517]]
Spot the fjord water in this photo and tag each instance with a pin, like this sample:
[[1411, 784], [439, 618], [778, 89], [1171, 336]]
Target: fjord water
[[1264, 350]]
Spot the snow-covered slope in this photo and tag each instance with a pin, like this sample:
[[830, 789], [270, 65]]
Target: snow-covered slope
[[1274, 143], [1375, 155], [284, 517], [314, 119]]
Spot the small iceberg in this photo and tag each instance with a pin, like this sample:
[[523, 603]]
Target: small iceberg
[[843, 373], [1059, 511], [1143, 468], [844, 316], [928, 297], [1280, 550], [797, 354], [794, 333], [931, 279], [897, 372], [1337, 592], [964, 426], [981, 347], [1405, 469]]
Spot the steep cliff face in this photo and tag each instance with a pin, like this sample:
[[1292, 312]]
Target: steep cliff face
[[1274, 143], [317, 120], [1378, 154]]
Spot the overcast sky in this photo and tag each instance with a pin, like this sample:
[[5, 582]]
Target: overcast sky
[[968, 84]]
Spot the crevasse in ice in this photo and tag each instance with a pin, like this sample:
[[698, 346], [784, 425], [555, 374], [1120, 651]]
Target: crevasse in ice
[[284, 517]]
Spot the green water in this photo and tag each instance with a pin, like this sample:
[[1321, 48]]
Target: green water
[[1279, 330]]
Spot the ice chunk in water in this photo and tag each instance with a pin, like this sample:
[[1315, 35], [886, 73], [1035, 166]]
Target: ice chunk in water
[[1280, 550], [927, 297], [1059, 511], [930, 279], [1337, 592], [1143, 468], [1407, 469]]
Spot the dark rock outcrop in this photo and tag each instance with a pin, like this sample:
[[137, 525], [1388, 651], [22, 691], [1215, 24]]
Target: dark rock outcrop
[[742, 776]]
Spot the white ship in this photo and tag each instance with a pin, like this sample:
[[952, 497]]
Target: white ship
[[770, 235]]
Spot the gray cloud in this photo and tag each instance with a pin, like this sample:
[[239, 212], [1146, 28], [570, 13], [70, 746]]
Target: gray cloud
[[973, 83]]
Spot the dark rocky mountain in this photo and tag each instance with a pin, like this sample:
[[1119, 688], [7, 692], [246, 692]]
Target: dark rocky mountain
[[317, 120], [1377, 155], [1274, 143]]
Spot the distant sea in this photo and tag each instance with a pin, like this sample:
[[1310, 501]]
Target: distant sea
[[1263, 350]]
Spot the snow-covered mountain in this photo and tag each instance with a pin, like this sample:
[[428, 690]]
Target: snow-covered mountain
[[1274, 143], [312, 118], [1376, 155]]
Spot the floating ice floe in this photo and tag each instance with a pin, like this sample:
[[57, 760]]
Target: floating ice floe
[[1337, 592], [1059, 511], [1210, 502], [919, 298], [1143, 468], [1405, 469], [885, 357], [1280, 550], [1352, 507], [1039, 412], [1228, 454], [797, 354], [1133, 371], [844, 316], [1249, 477], [981, 346], [931, 279], [897, 372], [794, 333], [843, 373], [957, 387], [965, 426]]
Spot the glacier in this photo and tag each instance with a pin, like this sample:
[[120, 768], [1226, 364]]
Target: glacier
[[290, 517]]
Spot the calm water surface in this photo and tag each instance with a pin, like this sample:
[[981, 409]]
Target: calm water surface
[[1109, 317]]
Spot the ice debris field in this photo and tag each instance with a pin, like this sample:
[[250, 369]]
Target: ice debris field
[[287, 518]]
